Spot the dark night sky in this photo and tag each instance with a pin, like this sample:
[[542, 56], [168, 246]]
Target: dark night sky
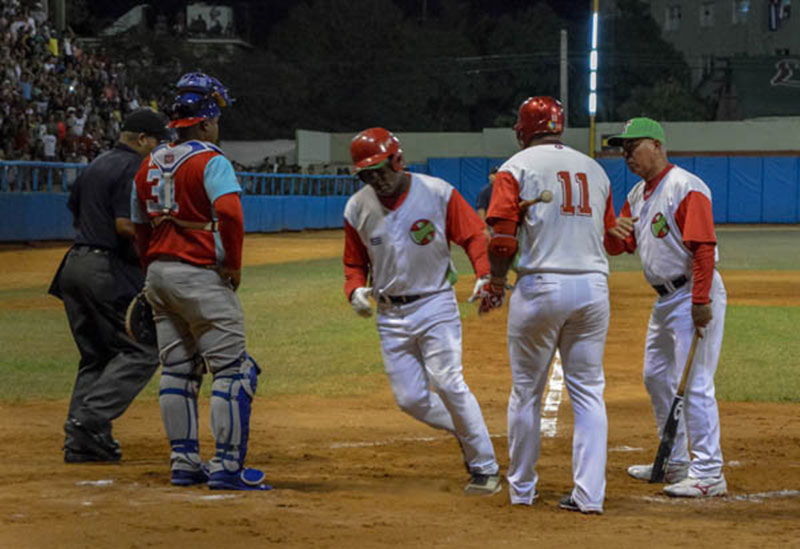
[[271, 10]]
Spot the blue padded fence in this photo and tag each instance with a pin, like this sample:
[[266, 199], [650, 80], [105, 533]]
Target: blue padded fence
[[33, 200], [745, 189]]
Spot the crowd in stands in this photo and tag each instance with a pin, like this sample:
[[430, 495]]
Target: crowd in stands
[[57, 101], [61, 103]]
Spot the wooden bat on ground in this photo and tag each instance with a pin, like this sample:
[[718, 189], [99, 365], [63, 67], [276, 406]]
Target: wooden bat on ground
[[671, 426]]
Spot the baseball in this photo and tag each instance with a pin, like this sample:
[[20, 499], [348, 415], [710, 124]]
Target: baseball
[[546, 196]]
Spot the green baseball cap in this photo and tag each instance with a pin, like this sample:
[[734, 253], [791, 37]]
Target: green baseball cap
[[639, 128]]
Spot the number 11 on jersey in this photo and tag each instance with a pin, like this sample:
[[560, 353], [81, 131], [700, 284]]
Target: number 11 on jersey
[[567, 207]]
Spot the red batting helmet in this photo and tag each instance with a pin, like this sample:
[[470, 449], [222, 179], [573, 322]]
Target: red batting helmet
[[373, 146], [539, 115]]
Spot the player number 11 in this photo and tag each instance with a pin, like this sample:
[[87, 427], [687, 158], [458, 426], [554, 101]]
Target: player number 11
[[567, 208]]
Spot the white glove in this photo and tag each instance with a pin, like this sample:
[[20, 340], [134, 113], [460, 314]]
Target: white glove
[[360, 301], [476, 291]]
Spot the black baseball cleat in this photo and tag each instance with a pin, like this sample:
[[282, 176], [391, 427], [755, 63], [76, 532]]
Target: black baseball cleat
[[84, 445], [569, 504]]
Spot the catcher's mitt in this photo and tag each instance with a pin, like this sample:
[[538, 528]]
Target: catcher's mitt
[[139, 321]]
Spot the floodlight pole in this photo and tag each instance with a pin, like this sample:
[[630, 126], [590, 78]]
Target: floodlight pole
[[564, 78], [593, 76]]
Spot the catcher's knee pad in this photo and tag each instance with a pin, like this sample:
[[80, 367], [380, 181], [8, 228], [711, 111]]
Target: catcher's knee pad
[[177, 397], [232, 392]]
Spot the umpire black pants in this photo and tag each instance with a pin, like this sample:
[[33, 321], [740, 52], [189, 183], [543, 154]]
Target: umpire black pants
[[113, 368]]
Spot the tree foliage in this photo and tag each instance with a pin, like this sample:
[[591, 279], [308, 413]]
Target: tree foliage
[[339, 65]]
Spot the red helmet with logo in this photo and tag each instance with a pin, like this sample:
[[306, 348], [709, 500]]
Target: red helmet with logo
[[539, 115], [373, 146]]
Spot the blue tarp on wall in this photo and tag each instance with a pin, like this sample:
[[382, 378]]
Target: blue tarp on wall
[[779, 203], [744, 190], [35, 216]]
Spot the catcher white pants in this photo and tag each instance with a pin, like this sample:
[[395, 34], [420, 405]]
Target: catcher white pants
[[421, 346], [669, 337], [568, 312]]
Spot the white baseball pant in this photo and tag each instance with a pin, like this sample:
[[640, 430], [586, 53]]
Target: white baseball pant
[[669, 337], [568, 312], [421, 346]]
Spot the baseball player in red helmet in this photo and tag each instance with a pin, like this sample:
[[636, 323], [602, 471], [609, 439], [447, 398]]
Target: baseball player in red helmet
[[398, 230], [190, 232], [668, 217], [559, 202]]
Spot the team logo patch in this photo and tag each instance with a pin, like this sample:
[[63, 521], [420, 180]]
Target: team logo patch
[[422, 232], [659, 225], [169, 158]]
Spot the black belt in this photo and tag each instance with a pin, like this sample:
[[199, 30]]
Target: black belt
[[92, 249], [669, 287], [401, 299]]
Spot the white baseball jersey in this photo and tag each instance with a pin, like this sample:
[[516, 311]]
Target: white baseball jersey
[[408, 249], [553, 237], [658, 236]]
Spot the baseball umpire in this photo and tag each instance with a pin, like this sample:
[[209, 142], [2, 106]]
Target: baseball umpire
[[190, 230], [398, 230], [97, 278], [668, 217], [560, 301]]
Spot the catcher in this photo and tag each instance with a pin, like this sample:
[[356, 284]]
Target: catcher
[[190, 230]]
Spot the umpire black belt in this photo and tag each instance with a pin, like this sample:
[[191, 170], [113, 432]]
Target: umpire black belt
[[670, 286], [400, 299], [91, 249]]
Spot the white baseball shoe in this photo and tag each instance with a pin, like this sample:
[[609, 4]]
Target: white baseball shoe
[[676, 472], [483, 485], [698, 487]]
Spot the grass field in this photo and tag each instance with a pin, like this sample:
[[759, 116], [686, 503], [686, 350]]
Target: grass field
[[310, 342]]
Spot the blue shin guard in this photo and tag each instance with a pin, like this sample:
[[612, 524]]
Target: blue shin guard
[[232, 394], [177, 397]]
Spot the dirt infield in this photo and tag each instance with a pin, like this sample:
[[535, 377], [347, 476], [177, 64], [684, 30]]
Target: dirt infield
[[356, 472]]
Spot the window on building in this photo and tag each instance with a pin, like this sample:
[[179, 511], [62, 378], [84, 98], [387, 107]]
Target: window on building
[[707, 14], [740, 10], [672, 21]]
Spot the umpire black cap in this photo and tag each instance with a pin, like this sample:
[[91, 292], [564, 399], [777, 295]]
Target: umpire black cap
[[148, 122]]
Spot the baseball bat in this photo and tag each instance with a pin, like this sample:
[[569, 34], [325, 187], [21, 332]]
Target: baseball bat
[[671, 426], [546, 196]]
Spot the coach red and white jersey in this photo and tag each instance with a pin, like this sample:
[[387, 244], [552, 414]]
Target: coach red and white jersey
[[658, 234], [565, 235], [408, 249]]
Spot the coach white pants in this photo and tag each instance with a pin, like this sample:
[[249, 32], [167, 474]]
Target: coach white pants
[[669, 337], [421, 346], [568, 312]]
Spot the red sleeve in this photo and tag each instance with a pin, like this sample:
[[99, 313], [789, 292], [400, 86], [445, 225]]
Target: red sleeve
[[702, 272], [612, 244], [695, 219], [231, 228], [465, 228], [505, 199], [356, 260]]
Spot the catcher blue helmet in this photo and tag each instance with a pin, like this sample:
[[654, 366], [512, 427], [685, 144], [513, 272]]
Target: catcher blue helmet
[[197, 98]]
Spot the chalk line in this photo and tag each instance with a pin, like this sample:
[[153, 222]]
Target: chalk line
[[549, 421]]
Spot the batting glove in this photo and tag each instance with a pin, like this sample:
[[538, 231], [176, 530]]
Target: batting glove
[[491, 295], [476, 291], [360, 301]]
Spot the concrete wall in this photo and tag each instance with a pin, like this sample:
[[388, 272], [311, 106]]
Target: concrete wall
[[760, 136]]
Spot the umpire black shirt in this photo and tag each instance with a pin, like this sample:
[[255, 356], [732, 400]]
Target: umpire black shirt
[[102, 193]]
